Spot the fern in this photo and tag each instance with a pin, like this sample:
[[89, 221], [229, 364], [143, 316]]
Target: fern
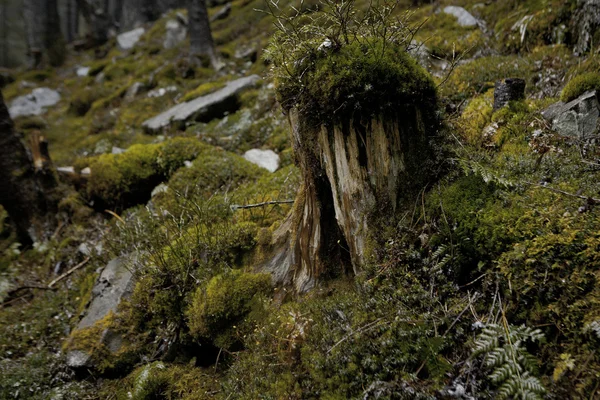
[[473, 167], [512, 366]]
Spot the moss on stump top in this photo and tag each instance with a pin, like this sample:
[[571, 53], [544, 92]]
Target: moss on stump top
[[364, 78]]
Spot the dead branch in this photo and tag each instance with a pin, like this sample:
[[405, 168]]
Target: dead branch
[[69, 272], [590, 200], [266, 203]]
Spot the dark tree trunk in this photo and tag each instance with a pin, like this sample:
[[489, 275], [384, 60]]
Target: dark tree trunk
[[26, 182], [97, 18], [44, 37], [201, 41]]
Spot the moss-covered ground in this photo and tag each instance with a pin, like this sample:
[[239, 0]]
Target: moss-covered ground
[[509, 236]]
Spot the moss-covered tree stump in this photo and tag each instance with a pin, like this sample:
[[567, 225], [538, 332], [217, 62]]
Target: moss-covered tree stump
[[362, 117]]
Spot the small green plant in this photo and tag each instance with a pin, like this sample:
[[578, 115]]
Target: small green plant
[[513, 367]]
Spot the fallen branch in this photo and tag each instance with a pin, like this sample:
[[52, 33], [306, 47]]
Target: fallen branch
[[266, 203], [590, 200], [69, 272]]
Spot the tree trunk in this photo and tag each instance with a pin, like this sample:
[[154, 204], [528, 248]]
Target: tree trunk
[[201, 41], [26, 183], [97, 19], [44, 37]]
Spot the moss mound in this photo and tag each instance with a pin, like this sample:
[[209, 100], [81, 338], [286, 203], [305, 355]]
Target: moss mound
[[227, 299], [122, 180], [368, 79], [579, 85]]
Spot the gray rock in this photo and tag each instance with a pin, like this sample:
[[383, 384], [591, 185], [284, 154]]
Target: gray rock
[[133, 90], [127, 40], [222, 13], [176, 33], [463, 16], [204, 108], [267, 159], [578, 118], [34, 103], [160, 92], [82, 71], [247, 53], [117, 150], [114, 284], [161, 188]]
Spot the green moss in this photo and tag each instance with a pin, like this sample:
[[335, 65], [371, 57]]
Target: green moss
[[122, 180], [475, 117], [579, 85], [370, 79], [202, 90], [227, 299], [82, 100]]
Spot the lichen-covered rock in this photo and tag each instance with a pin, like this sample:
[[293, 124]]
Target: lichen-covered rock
[[114, 284], [203, 108], [34, 103], [176, 33], [127, 40], [578, 118], [267, 159], [464, 18]]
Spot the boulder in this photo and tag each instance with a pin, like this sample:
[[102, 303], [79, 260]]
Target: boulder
[[577, 119], [34, 103], [176, 33], [205, 108], [266, 159], [127, 40], [114, 284], [247, 53], [464, 18]]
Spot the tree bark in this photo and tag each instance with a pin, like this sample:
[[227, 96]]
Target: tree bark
[[44, 37], [201, 40], [26, 184], [355, 175]]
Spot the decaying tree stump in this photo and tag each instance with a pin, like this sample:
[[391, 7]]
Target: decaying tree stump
[[358, 164], [27, 181], [506, 90]]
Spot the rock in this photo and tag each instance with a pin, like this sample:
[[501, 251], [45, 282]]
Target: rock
[[133, 90], [463, 16], [266, 159], [127, 40], [34, 103], [421, 53], [160, 92], [99, 78], [222, 13], [161, 188], [506, 90], [247, 53], [66, 170], [204, 108], [117, 150], [176, 33], [578, 118], [586, 21], [82, 71], [114, 284], [86, 172]]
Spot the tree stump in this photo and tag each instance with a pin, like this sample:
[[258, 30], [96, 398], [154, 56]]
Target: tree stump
[[360, 155], [507, 90]]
